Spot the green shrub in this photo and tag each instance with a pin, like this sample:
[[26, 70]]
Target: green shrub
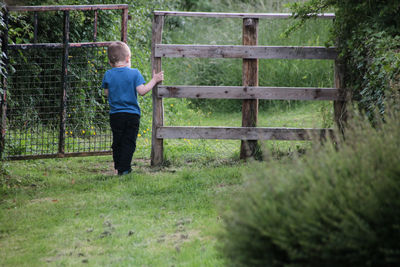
[[336, 206], [367, 36]]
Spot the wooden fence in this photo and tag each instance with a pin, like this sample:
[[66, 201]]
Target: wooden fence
[[250, 92]]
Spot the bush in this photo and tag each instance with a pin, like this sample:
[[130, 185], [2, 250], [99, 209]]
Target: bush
[[367, 36], [337, 206]]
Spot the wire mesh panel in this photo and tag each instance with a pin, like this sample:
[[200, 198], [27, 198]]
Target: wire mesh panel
[[34, 103], [53, 104], [87, 125]]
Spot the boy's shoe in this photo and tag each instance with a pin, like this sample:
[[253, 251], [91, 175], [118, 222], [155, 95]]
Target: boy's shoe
[[124, 172]]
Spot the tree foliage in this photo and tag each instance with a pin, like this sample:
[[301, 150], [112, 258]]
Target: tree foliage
[[367, 34]]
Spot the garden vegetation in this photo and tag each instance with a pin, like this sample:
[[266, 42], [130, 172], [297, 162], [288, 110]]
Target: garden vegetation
[[368, 37], [336, 205]]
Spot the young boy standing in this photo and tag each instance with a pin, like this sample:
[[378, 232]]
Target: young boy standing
[[121, 85]]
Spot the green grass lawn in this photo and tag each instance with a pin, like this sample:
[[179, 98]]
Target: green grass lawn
[[74, 211]]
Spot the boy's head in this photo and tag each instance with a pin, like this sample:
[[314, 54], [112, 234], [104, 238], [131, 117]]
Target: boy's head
[[119, 54]]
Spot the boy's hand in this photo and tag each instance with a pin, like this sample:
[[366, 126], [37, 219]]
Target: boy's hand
[[158, 77], [144, 89]]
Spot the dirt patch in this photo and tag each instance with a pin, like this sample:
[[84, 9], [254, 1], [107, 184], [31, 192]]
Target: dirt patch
[[138, 166], [43, 200], [179, 237]]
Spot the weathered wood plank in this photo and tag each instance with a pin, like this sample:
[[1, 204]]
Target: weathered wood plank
[[35, 26], [243, 51], [248, 148], [248, 92], [157, 144], [124, 25], [96, 16], [66, 155], [240, 133], [66, 7], [64, 84], [4, 83], [58, 45], [339, 106], [237, 15]]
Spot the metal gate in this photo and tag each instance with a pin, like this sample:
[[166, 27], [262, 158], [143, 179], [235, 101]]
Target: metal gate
[[52, 104]]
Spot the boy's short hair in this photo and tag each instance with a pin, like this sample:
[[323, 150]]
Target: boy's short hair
[[118, 52]]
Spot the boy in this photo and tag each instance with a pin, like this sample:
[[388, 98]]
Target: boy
[[121, 85]]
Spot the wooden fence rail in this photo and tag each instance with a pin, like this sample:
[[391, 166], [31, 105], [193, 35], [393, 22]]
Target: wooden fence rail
[[250, 92], [240, 133], [236, 15], [247, 52]]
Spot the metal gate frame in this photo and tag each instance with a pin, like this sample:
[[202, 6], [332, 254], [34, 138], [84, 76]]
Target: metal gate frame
[[65, 45]]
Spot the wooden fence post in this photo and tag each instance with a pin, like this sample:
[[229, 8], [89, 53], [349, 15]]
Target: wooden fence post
[[35, 26], [64, 86], [339, 106], [157, 145], [3, 108], [124, 25], [96, 15], [248, 148]]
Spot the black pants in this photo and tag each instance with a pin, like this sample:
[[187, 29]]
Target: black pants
[[125, 128]]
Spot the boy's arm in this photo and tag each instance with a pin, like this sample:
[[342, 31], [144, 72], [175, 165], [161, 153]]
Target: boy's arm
[[145, 88], [106, 91]]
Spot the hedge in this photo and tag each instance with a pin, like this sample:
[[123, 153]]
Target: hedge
[[338, 205]]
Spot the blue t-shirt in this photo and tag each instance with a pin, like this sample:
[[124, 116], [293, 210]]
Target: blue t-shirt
[[121, 84]]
